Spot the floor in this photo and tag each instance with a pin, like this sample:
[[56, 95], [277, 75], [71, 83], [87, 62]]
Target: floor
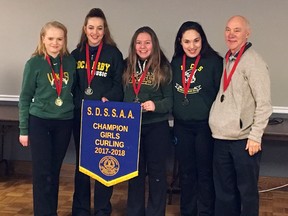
[[16, 193]]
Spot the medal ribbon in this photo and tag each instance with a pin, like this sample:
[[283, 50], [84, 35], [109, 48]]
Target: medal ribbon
[[227, 79], [91, 74], [137, 86], [57, 82], [187, 85]]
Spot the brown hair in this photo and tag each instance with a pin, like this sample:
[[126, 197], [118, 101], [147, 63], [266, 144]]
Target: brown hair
[[157, 61], [96, 12]]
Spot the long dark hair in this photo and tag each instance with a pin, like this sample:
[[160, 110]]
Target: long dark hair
[[206, 49], [96, 12]]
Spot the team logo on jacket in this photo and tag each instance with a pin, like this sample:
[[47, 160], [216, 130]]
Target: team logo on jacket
[[148, 80], [102, 68], [187, 75], [191, 90], [65, 79]]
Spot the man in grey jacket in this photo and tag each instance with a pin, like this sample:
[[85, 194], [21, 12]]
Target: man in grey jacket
[[238, 118]]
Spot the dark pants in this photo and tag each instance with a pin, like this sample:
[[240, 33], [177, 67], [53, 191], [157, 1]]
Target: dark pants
[[49, 140], [194, 151], [154, 142], [236, 176], [82, 189]]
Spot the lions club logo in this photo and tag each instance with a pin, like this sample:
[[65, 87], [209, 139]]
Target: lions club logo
[[109, 165]]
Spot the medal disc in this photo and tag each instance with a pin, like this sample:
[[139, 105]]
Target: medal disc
[[58, 101], [88, 91], [136, 100], [185, 102]]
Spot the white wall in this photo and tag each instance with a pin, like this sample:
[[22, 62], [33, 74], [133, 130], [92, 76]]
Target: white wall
[[21, 21]]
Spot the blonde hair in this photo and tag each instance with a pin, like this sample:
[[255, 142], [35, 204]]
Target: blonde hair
[[40, 49]]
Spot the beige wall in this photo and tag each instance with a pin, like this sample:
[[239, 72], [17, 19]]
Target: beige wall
[[20, 23]]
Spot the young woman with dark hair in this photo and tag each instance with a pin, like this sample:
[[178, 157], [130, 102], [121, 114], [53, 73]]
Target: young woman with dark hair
[[197, 71]]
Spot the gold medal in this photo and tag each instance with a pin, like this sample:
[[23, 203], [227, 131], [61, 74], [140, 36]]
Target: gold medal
[[58, 101], [88, 91], [57, 81]]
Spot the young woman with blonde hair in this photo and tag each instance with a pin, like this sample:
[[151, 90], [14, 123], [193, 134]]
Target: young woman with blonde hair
[[46, 113]]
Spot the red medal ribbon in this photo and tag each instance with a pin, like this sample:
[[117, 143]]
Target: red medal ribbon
[[137, 86], [227, 79], [91, 74], [187, 85], [57, 82]]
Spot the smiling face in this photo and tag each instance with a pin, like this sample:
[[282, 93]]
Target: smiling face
[[236, 33], [191, 43], [94, 31], [143, 45], [53, 40]]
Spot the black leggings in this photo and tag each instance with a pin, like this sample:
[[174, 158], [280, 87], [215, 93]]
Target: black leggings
[[49, 140], [155, 140], [194, 151], [82, 186]]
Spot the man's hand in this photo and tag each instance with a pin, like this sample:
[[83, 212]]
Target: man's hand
[[253, 147]]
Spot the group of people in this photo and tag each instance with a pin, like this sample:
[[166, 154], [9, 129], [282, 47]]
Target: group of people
[[219, 116]]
